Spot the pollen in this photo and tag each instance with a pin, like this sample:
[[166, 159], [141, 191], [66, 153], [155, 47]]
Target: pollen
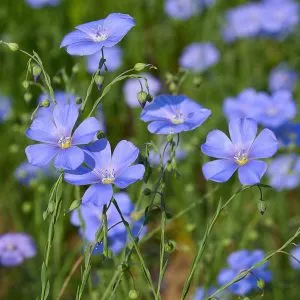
[[177, 119], [241, 159], [108, 180], [65, 142]]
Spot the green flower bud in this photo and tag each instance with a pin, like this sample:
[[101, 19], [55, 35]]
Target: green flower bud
[[197, 81], [75, 68], [26, 207], [13, 46], [260, 284], [170, 246], [56, 79], [139, 67], [25, 84], [142, 98], [36, 72], [99, 81], [27, 97], [78, 100], [133, 294], [45, 103], [262, 207]]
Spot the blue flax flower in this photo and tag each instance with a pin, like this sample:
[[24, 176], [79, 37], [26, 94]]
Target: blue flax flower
[[58, 138], [241, 153], [296, 254], [15, 248], [92, 216], [169, 114], [202, 293], [282, 78], [5, 108], [91, 37], [288, 134], [240, 261], [132, 86], [182, 9], [42, 3], [113, 59], [284, 172], [103, 169], [199, 57]]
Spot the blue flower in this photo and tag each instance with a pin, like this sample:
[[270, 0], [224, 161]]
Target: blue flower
[[241, 153], [296, 254], [103, 169], [198, 57], [42, 3], [182, 9], [92, 217], [133, 86], [15, 248], [58, 139], [5, 108], [202, 293], [91, 37], [113, 59], [282, 78], [240, 261], [288, 134], [284, 172], [169, 114]]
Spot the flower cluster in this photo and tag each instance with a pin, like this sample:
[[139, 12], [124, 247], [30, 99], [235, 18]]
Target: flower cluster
[[15, 248], [240, 261], [267, 18]]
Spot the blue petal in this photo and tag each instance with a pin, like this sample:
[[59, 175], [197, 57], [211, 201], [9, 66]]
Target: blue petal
[[74, 37], [242, 132], [11, 258], [98, 194], [217, 145], [196, 118], [264, 146], [86, 131], [69, 159], [252, 172], [129, 176], [65, 117], [85, 48], [101, 152], [219, 170], [81, 176], [90, 27], [124, 203], [166, 127], [124, 155], [40, 154]]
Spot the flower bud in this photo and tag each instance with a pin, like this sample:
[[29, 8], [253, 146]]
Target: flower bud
[[139, 67], [197, 81], [25, 84], [100, 135], [13, 46], [260, 284], [36, 72], [27, 97], [75, 68], [26, 207], [133, 294], [45, 103], [142, 98], [170, 246], [78, 100], [99, 81], [262, 207], [172, 87]]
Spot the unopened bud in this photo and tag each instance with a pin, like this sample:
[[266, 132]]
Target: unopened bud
[[25, 84], [99, 81], [36, 72], [13, 46], [172, 87], [139, 67], [142, 98], [45, 103], [75, 68], [133, 295], [260, 284], [262, 207], [27, 97], [170, 246], [197, 81], [26, 207]]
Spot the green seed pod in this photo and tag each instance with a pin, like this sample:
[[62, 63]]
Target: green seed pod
[[25, 84], [139, 67], [13, 46], [133, 294], [45, 103], [142, 98]]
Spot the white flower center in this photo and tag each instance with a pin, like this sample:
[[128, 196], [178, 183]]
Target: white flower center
[[107, 176], [101, 35], [10, 247], [65, 142], [178, 118], [241, 158], [272, 111]]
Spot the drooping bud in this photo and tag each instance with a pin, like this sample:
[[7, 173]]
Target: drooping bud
[[25, 84], [133, 295], [36, 72], [99, 81], [142, 98], [13, 46], [262, 207], [139, 67]]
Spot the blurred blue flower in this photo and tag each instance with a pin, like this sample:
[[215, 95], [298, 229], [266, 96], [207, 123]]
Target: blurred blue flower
[[103, 169], [42, 3], [199, 57], [202, 294], [240, 153], [155, 157], [284, 172], [58, 139], [92, 216], [240, 261], [288, 134], [182, 9], [15, 248], [5, 108], [91, 37], [296, 253], [113, 59], [133, 86], [282, 78], [168, 114]]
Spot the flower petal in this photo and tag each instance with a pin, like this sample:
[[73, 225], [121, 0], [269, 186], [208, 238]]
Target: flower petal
[[196, 118], [101, 152], [86, 131], [73, 37], [98, 194], [264, 146], [90, 27], [166, 127], [217, 145], [11, 258], [242, 132], [65, 117], [129, 176], [40, 154], [85, 48], [219, 170], [69, 159], [81, 176], [252, 172], [124, 155]]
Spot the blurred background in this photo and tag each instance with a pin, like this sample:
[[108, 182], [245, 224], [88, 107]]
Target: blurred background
[[239, 55]]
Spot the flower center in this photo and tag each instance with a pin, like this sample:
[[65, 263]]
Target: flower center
[[65, 142], [108, 176], [10, 247], [272, 111], [177, 118], [241, 158], [101, 35]]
